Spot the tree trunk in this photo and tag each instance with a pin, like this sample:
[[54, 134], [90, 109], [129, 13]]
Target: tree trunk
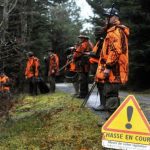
[[6, 11], [5, 21], [23, 23]]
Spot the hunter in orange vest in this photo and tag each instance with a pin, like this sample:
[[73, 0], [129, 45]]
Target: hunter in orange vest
[[53, 64], [32, 67], [4, 83], [32, 72], [84, 46], [82, 63], [72, 66], [71, 74], [53, 67], [95, 53], [113, 63], [99, 33]]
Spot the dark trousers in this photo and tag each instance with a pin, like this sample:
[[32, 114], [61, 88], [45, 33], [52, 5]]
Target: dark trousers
[[33, 86], [109, 95], [76, 87], [83, 83], [100, 87], [52, 83]]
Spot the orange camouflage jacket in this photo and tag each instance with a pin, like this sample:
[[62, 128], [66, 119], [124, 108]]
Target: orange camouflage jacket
[[96, 50], [3, 80], [114, 56], [32, 67], [85, 46], [53, 64]]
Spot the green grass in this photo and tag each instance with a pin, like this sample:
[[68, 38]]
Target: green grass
[[52, 122]]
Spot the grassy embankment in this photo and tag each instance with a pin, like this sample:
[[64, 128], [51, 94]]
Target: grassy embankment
[[50, 122]]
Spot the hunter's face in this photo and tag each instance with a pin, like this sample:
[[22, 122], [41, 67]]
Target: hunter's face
[[82, 39], [110, 19], [2, 75]]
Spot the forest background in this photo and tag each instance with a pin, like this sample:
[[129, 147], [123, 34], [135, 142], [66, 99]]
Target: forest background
[[37, 25]]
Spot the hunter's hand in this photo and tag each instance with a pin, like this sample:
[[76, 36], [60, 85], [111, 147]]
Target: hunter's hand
[[86, 53], [69, 56], [106, 73]]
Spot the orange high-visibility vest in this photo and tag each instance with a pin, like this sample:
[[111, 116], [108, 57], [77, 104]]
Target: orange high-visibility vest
[[93, 60], [85, 46], [32, 67], [4, 79], [114, 55], [72, 67], [53, 64]]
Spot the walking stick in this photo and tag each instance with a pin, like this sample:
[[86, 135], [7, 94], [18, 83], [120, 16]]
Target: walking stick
[[88, 95]]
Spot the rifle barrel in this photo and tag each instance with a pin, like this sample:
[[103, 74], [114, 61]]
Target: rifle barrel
[[65, 65]]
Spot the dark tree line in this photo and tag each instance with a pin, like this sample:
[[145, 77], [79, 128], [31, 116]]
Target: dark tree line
[[36, 25], [40, 24]]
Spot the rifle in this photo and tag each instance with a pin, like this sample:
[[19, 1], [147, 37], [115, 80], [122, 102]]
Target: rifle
[[65, 65], [88, 95], [112, 6], [68, 63]]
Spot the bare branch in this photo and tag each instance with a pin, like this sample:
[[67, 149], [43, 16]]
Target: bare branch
[[14, 5]]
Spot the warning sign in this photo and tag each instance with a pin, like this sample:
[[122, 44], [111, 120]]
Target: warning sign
[[127, 127]]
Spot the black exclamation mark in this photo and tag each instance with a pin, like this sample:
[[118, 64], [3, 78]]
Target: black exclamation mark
[[129, 116]]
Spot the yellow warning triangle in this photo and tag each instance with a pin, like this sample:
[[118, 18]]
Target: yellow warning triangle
[[128, 118]]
